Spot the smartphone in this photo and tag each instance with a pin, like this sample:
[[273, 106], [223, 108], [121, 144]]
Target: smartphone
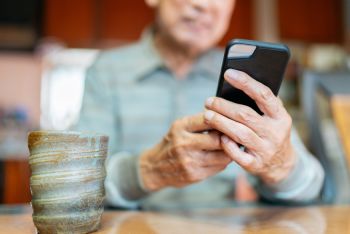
[[265, 62]]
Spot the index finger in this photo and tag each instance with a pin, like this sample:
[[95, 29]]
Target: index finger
[[267, 102], [206, 141], [196, 123]]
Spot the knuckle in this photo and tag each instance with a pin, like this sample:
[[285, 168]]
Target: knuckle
[[177, 137], [190, 172], [216, 103], [178, 149], [243, 137], [215, 137], [266, 94], [176, 125], [219, 103], [214, 119], [246, 115], [244, 79], [191, 121]]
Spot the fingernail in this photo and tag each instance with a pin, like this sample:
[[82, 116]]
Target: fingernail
[[224, 139], [233, 74], [209, 101], [208, 115]]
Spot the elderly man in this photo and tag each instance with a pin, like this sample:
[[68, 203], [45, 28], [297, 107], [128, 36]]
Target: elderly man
[[145, 96]]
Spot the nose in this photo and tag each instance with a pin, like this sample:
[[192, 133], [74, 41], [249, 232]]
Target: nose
[[201, 4]]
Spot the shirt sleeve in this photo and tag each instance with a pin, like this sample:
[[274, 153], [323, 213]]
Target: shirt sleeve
[[99, 114], [123, 184], [303, 184]]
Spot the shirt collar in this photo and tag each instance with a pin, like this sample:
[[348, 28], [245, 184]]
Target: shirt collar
[[208, 65], [149, 59]]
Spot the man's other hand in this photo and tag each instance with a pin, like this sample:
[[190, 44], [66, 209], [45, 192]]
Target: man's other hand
[[189, 153]]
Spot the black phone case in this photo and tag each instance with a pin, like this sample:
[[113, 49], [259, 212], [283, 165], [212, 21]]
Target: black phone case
[[267, 65]]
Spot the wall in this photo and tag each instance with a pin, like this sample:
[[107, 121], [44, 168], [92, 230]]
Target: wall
[[20, 82], [85, 23], [311, 20], [346, 21]]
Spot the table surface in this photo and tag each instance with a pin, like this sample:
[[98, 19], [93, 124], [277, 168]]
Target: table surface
[[341, 113], [310, 219]]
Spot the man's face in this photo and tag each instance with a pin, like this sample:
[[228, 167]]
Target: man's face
[[197, 24]]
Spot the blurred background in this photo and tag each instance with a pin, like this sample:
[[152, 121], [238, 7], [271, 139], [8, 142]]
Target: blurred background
[[46, 46]]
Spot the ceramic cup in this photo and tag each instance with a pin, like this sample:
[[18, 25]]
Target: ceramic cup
[[67, 181]]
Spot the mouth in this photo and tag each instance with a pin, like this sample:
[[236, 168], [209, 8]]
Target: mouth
[[196, 25]]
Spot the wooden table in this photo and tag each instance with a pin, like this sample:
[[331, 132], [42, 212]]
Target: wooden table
[[341, 113], [313, 220], [337, 90]]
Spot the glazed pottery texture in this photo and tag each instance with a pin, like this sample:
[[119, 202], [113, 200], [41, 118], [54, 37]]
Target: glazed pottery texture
[[67, 181]]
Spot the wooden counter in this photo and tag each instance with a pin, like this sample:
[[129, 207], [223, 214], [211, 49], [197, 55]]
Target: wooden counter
[[316, 219], [341, 112]]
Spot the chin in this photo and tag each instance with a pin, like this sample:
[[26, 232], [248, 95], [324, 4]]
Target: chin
[[196, 43]]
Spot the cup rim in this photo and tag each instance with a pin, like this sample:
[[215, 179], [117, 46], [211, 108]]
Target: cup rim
[[88, 134]]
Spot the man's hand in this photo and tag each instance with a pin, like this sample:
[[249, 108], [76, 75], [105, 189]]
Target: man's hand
[[268, 150], [185, 155]]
